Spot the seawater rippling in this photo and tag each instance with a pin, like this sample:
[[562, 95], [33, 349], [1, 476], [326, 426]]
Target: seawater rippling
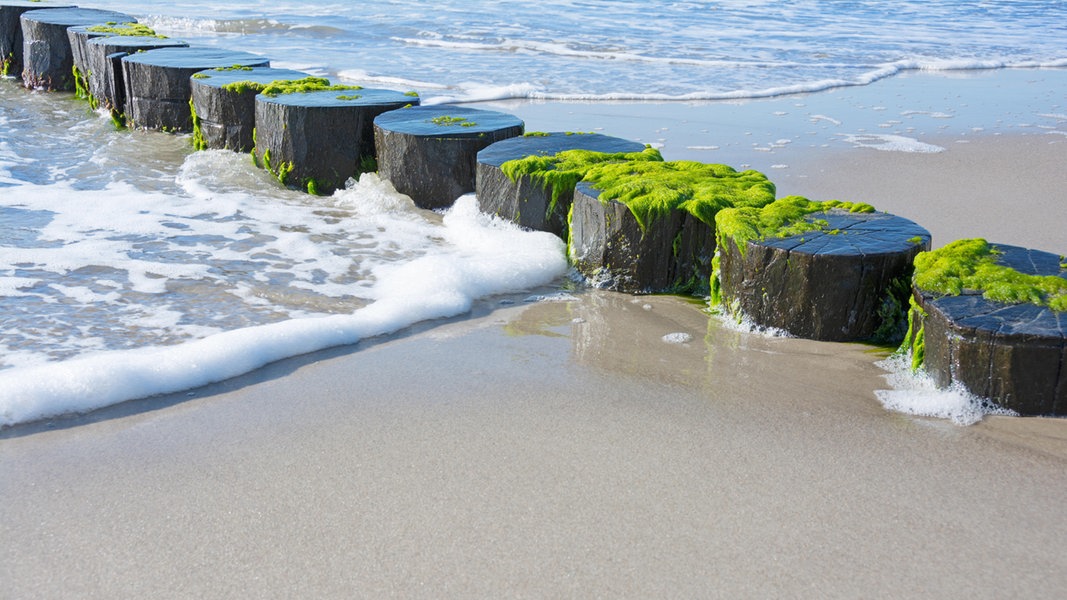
[[568, 49], [131, 266]]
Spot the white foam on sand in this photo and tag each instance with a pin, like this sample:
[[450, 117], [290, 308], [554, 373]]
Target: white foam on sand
[[890, 143], [915, 393], [477, 256]]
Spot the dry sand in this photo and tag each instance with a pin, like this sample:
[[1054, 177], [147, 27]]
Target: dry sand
[[563, 449]]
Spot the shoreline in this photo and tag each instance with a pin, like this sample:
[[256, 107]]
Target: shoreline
[[559, 447], [812, 144]]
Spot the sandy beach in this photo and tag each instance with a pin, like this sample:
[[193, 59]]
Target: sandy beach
[[563, 449]]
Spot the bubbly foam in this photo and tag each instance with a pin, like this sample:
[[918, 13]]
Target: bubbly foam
[[890, 143], [915, 393], [473, 256], [558, 50]]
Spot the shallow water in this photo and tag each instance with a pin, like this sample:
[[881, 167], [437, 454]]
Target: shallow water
[[116, 241], [568, 49]]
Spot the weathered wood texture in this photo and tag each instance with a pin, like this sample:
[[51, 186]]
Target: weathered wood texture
[[1012, 354], [227, 112], [11, 32], [609, 247], [846, 282], [430, 152], [157, 83], [525, 200], [317, 140], [48, 62], [104, 70]]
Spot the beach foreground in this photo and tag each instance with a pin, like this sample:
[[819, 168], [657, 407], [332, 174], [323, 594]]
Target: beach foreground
[[564, 448]]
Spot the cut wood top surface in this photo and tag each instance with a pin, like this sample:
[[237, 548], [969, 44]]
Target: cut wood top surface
[[260, 75], [134, 42], [553, 143], [970, 310], [848, 233], [446, 121], [340, 98], [197, 58], [72, 16]]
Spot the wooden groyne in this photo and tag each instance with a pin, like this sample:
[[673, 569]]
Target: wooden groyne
[[988, 317], [430, 152], [47, 56]]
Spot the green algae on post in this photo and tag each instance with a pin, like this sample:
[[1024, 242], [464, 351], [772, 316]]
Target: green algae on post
[[307, 84], [199, 143], [289, 86], [125, 29], [564, 170], [915, 339], [652, 189], [447, 120], [971, 264], [782, 218]]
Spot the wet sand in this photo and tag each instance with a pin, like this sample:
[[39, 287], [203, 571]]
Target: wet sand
[[564, 449]]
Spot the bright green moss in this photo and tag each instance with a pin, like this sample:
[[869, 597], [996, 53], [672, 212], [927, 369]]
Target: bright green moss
[[7, 64], [81, 83], [447, 120], [240, 87], [652, 189], [125, 29], [971, 264], [536, 134], [782, 218], [412, 93], [199, 143], [255, 142], [288, 86], [915, 340], [564, 170], [118, 119], [715, 288], [201, 75], [307, 84], [284, 170], [350, 97], [647, 185]]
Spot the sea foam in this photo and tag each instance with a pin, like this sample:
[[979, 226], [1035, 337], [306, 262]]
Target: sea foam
[[915, 393], [478, 256]]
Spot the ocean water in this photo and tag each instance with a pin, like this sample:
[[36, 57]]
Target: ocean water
[[131, 266]]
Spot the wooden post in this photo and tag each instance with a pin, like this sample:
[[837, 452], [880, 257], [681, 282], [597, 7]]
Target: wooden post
[[429, 152]]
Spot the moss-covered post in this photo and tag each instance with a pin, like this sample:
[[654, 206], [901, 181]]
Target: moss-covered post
[[830, 271], [48, 62], [11, 32], [648, 226], [224, 104], [522, 195], [993, 318], [106, 86], [429, 152], [158, 88], [315, 139]]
